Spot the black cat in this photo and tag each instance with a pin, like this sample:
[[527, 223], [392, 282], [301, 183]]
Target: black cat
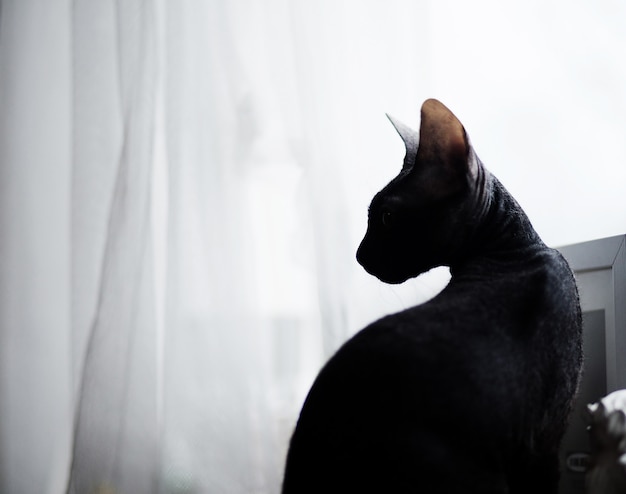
[[471, 391]]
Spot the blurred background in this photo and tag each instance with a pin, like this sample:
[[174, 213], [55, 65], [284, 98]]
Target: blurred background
[[183, 186]]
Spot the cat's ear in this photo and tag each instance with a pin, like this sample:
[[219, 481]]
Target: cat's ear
[[444, 158], [411, 141]]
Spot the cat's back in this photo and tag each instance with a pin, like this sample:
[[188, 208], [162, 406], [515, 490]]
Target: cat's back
[[496, 325], [512, 299]]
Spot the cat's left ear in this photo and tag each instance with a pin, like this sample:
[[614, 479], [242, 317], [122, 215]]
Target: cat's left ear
[[410, 138], [444, 162]]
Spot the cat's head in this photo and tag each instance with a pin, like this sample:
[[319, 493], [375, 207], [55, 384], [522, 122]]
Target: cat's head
[[420, 219]]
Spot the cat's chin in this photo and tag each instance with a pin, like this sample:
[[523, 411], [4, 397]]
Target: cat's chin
[[389, 277], [397, 278], [392, 279]]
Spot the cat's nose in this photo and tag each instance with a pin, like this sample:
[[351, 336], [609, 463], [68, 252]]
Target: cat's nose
[[364, 256], [360, 254]]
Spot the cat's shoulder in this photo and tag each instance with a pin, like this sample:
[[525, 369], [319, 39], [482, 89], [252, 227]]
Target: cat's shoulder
[[540, 267], [554, 272]]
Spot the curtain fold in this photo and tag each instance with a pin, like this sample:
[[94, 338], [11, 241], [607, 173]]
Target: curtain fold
[[222, 407], [116, 429]]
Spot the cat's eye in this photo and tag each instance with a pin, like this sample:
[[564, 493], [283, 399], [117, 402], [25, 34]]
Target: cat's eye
[[387, 219]]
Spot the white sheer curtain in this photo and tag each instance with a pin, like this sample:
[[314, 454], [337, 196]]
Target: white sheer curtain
[[183, 186], [204, 326]]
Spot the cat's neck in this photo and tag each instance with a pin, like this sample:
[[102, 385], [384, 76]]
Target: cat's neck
[[502, 231]]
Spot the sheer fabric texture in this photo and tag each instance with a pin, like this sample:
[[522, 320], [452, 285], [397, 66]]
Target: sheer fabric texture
[[206, 326]]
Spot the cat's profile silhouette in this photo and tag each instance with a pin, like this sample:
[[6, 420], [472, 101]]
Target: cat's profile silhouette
[[471, 391]]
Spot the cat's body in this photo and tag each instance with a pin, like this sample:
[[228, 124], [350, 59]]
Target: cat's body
[[471, 391]]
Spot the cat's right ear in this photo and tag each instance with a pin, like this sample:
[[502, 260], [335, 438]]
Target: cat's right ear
[[444, 160]]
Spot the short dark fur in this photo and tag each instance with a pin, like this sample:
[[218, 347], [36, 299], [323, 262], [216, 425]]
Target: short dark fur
[[471, 391]]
